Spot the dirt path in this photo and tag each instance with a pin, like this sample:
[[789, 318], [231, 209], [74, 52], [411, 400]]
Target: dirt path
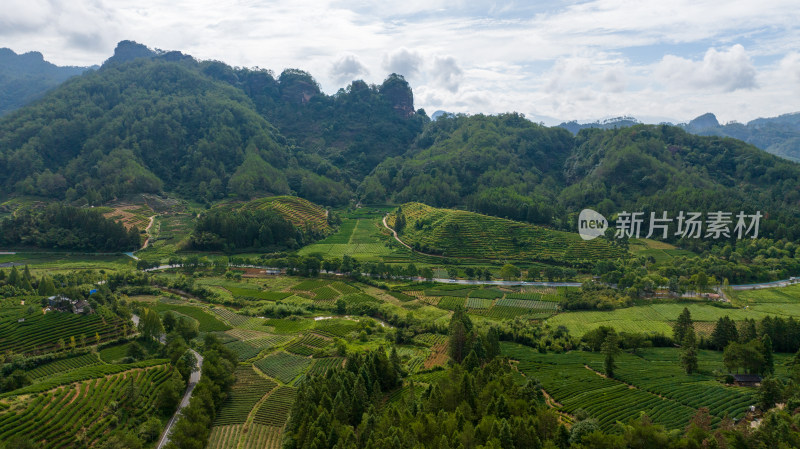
[[147, 230], [394, 233]]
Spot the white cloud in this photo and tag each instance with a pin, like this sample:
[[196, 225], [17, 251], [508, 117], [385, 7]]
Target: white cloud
[[348, 68], [790, 66], [726, 70], [403, 62], [446, 73], [567, 60]]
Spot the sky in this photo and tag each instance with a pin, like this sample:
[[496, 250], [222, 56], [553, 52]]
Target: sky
[[552, 61]]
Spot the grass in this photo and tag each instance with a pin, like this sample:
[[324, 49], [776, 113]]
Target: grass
[[206, 321], [288, 325], [359, 238], [658, 318]]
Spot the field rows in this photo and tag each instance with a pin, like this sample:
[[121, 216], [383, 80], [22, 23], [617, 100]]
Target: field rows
[[249, 388], [283, 366], [53, 419]]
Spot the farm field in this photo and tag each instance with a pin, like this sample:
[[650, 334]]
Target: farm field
[[298, 211], [654, 385], [657, 318], [357, 238], [283, 366], [54, 418], [37, 332], [454, 233]]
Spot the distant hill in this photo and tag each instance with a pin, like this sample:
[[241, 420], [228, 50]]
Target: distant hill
[[777, 135], [506, 166], [456, 233], [617, 122], [26, 77]]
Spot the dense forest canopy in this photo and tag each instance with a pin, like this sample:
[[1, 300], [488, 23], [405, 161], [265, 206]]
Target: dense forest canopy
[[66, 227]]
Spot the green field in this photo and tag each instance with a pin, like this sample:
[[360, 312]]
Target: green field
[[455, 233], [658, 318], [37, 332], [653, 383], [283, 366], [359, 238], [54, 418]]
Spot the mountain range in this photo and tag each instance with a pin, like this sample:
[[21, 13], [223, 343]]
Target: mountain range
[[26, 77], [150, 121]]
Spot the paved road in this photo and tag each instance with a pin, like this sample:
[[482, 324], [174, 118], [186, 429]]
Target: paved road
[[781, 283], [194, 378]]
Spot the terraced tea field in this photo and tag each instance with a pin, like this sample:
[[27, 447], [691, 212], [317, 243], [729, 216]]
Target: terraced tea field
[[275, 409], [249, 388], [656, 386], [455, 233], [59, 366], [283, 366], [300, 212], [54, 418], [38, 333]]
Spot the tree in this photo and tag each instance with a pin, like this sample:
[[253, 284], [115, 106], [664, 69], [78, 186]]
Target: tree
[[610, 349], [770, 392], [683, 325], [46, 287], [169, 321], [150, 324], [689, 352], [724, 333], [427, 273], [460, 329], [769, 363], [510, 272]]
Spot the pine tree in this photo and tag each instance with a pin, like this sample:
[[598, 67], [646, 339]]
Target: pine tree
[[610, 349], [13, 278], [689, 353], [769, 362], [683, 325]]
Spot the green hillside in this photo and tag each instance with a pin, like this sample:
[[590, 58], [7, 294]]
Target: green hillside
[[300, 212], [455, 233]]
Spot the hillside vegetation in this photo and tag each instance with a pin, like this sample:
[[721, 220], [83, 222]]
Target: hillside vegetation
[[455, 233], [300, 212]]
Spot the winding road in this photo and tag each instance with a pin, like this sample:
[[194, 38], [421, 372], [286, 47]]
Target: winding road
[[194, 378]]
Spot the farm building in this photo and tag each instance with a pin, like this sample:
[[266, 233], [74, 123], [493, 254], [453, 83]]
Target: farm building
[[65, 304], [746, 380]]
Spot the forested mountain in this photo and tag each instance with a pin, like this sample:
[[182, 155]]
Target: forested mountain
[[485, 162], [156, 121], [25, 77], [777, 135], [148, 121]]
